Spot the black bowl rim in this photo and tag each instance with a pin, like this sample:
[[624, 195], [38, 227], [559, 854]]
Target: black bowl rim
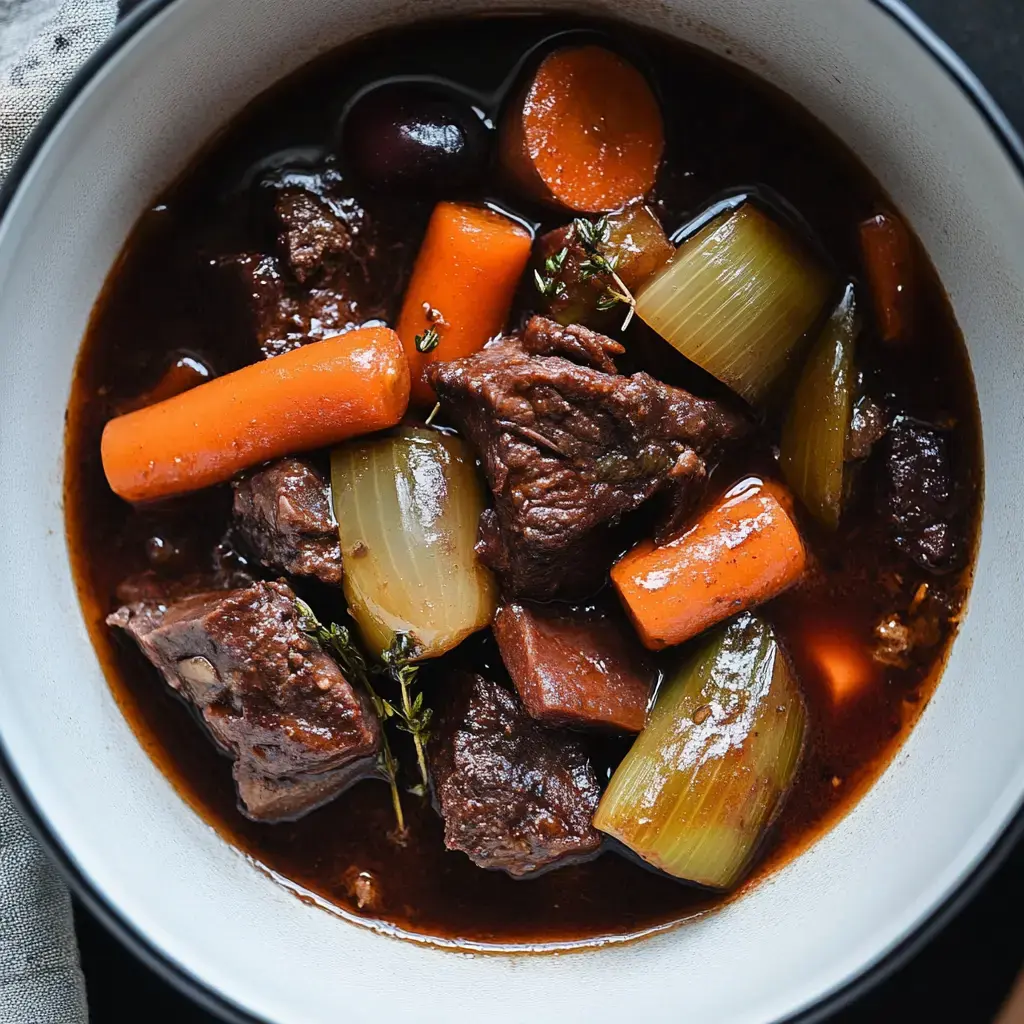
[[199, 991]]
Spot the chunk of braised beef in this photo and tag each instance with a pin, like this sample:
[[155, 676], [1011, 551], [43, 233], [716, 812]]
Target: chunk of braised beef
[[338, 267], [281, 315], [321, 234], [918, 497], [514, 796], [544, 337], [283, 514], [568, 450], [575, 667], [298, 731]]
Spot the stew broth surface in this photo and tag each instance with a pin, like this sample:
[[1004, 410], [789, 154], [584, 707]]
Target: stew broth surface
[[724, 131]]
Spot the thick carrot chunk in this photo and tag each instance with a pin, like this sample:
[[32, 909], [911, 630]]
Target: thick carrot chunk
[[842, 664], [742, 551], [308, 398], [461, 288], [888, 256]]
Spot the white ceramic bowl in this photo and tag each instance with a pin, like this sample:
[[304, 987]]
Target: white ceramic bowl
[[173, 73]]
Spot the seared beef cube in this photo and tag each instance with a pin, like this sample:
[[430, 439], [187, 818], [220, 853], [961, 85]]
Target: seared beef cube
[[298, 730], [575, 667], [338, 266], [283, 514], [321, 233], [283, 317], [567, 450], [544, 337], [514, 796], [917, 495]]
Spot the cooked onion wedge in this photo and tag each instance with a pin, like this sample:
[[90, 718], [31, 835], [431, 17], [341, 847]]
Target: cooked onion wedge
[[813, 447], [407, 507], [737, 298], [704, 780]]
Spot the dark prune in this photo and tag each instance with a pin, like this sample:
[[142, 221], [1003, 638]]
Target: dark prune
[[405, 138]]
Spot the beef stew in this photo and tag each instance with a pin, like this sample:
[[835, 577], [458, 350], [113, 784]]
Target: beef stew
[[614, 432]]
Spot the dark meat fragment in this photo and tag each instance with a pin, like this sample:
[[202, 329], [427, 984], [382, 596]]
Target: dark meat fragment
[[514, 796], [896, 639], [159, 590], [867, 427], [339, 268], [282, 316], [917, 495], [575, 667], [567, 450], [298, 731], [323, 234], [544, 337], [283, 514]]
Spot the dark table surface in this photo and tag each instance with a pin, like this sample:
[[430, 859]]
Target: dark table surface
[[964, 973]]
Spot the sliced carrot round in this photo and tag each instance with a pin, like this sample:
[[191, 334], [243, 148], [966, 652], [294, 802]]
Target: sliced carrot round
[[588, 133]]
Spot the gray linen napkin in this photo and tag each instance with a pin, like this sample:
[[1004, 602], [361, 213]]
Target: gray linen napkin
[[42, 43], [40, 978]]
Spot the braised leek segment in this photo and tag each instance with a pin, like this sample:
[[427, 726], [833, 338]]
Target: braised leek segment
[[813, 448], [706, 777], [737, 298], [407, 507]]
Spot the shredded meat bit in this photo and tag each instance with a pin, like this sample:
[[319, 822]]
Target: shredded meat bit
[[897, 639], [363, 887]]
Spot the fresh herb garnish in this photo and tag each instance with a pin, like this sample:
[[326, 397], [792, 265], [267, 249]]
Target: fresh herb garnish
[[427, 341], [338, 640], [592, 235], [413, 717], [551, 286]]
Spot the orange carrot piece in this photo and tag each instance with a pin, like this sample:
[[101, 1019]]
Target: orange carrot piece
[[314, 396], [888, 256], [741, 552], [585, 134], [462, 285], [840, 662], [185, 373]]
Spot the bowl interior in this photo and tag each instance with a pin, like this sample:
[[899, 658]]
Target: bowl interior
[[165, 87]]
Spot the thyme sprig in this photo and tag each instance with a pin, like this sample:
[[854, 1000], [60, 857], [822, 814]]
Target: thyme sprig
[[592, 235], [549, 284], [413, 717], [339, 642]]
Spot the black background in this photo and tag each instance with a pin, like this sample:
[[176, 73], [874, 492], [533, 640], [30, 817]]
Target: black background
[[963, 974]]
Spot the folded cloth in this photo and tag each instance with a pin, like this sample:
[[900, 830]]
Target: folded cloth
[[42, 43], [40, 977]]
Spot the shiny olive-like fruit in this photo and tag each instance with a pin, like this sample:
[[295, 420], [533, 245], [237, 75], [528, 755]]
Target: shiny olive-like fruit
[[405, 138]]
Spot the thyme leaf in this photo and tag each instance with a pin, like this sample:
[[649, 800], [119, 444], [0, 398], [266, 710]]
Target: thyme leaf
[[549, 284], [428, 340]]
